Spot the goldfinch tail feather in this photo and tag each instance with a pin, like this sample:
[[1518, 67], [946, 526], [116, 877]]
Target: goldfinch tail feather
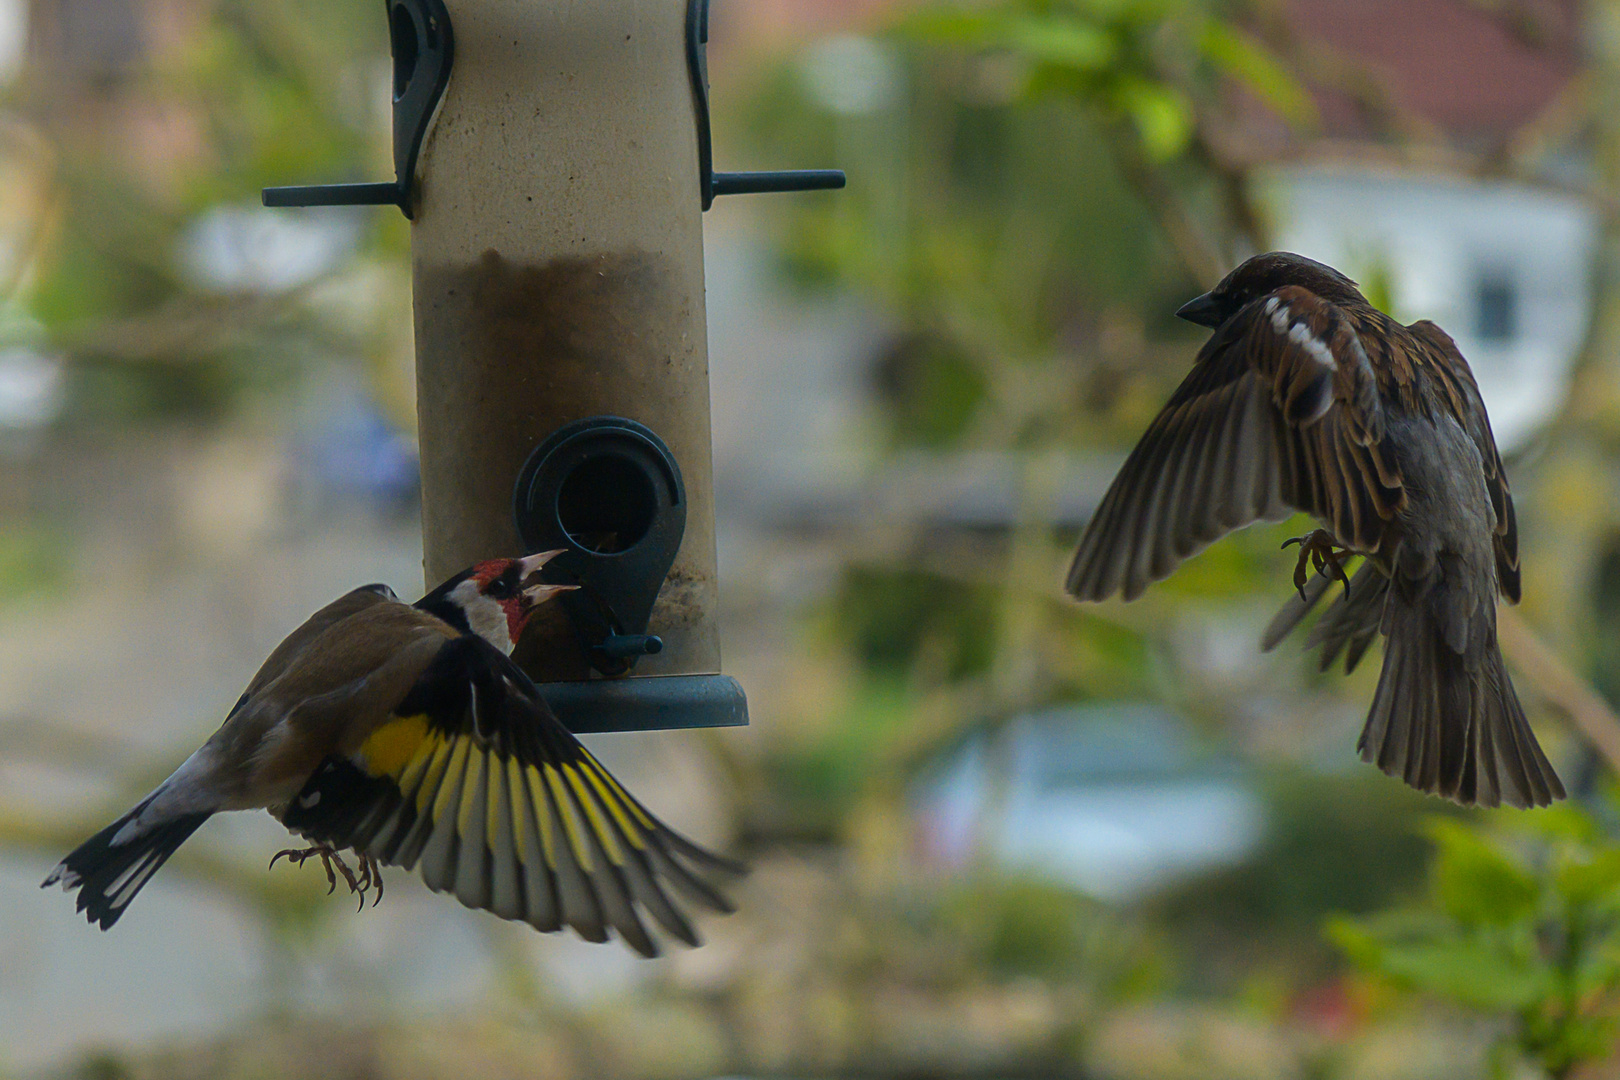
[[109, 872]]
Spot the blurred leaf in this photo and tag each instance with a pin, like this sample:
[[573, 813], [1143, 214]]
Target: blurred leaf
[[1474, 882], [1243, 58], [889, 612], [931, 388], [1162, 116], [1568, 822], [1591, 883], [1599, 970], [1063, 42], [33, 560], [1059, 39], [1530, 937], [947, 25], [1359, 944], [816, 783], [1032, 928], [1470, 972]]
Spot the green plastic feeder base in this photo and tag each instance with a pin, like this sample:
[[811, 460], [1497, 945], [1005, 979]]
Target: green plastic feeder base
[[650, 703]]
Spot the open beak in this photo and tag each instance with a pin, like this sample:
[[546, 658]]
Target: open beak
[[540, 592], [1203, 310], [531, 564]]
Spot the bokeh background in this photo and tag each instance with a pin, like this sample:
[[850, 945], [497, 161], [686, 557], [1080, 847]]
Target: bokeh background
[[993, 834]]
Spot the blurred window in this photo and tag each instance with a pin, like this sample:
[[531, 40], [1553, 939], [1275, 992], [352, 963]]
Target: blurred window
[[1496, 313]]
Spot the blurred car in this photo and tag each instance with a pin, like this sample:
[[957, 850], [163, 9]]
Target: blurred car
[[1114, 799], [349, 455]]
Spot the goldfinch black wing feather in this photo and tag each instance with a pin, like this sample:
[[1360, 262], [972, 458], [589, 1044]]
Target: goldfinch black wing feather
[[1280, 411], [473, 781]]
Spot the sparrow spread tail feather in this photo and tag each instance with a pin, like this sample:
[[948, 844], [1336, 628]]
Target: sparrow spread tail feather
[[1448, 722], [108, 872]]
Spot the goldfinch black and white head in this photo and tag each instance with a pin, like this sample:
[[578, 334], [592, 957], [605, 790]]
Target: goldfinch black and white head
[[492, 598]]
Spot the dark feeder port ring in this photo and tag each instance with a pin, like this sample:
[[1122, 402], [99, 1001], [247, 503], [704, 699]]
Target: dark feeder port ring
[[607, 504], [609, 493]]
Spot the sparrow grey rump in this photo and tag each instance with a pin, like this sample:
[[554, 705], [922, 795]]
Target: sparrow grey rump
[[1307, 398]]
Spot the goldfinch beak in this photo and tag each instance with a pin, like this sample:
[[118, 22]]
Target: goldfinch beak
[[539, 594], [531, 564]]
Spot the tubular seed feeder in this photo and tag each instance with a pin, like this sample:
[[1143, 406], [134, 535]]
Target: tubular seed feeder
[[556, 187]]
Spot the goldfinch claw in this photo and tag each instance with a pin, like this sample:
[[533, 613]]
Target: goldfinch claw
[[369, 878]]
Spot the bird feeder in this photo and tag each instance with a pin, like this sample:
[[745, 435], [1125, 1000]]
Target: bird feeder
[[554, 160]]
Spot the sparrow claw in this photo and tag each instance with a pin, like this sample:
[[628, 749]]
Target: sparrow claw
[[369, 879], [1322, 552]]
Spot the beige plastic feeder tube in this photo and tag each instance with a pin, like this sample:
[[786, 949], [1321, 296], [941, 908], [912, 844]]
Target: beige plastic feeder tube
[[558, 262]]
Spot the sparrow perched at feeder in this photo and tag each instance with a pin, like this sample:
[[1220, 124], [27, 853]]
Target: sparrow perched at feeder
[[1308, 398], [406, 735]]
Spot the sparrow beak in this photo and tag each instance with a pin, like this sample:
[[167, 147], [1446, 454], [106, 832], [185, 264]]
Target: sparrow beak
[[1204, 310]]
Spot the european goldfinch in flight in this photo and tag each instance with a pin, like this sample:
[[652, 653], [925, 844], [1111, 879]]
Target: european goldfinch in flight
[[406, 735]]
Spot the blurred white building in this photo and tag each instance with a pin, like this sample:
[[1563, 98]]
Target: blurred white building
[[1504, 269]]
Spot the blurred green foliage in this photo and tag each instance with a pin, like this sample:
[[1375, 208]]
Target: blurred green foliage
[[815, 784], [961, 223], [260, 94], [1522, 920], [1334, 843], [929, 388], [1142, 62], [890, 613], [1029, 928], [34, 560], [290, 93]]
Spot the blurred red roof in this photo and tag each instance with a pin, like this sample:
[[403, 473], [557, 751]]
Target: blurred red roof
[[1471, 70], [1476, 68]]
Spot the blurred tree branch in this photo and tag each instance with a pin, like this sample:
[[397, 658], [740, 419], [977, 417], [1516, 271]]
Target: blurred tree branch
[[1560, 685]]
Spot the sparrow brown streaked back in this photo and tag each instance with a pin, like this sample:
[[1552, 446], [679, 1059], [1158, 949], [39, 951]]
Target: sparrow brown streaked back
[[1307, 398]]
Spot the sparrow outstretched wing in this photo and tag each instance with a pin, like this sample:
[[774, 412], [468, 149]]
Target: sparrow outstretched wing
[[1280, 412]]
